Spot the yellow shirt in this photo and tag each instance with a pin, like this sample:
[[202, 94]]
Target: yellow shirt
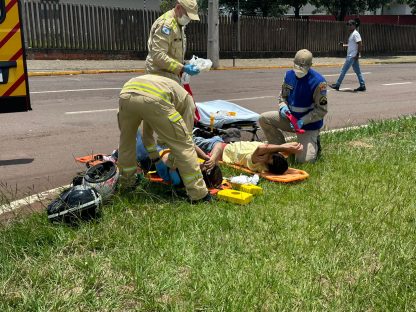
[[240, 153]]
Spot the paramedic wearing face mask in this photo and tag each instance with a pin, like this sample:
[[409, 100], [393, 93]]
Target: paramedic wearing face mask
[[304, 95], [167, 42]]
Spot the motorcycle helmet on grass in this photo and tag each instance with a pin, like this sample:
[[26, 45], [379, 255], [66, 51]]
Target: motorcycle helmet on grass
[[80, 202], [103, 177]]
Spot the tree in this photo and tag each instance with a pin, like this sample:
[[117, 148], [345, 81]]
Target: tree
[[341, 8], [250, 7], [167, 5], [412, 4], [296, 5]]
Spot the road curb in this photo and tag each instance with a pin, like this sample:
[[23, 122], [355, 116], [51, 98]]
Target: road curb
[[120, 71]]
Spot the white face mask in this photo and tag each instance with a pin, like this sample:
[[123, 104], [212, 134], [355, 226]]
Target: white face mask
[[184, 20], [300, 75]]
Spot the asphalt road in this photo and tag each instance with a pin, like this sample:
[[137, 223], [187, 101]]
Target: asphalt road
[[76, 115]]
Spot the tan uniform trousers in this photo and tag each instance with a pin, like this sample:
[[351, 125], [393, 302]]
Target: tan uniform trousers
[[273, 124], [133, 109]]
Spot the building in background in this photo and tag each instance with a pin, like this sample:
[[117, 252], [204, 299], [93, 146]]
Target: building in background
[[394, 13]]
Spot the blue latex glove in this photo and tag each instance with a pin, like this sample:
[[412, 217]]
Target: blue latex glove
[[191, 69], [300, 123], [283, 111], [162, 170], [175, 178]]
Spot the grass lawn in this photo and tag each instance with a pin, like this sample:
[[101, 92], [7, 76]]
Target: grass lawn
[[344, 240]]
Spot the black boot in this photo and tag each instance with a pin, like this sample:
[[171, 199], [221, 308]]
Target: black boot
[[360, 88], [334, 86]]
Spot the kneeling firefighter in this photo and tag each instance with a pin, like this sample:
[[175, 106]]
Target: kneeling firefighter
[[168, 110]]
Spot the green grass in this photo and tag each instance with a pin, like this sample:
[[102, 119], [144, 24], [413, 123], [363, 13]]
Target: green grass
[[344, 240]]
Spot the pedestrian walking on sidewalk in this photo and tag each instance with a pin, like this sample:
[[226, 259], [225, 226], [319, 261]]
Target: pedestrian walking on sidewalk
[[303, 96], [353, 55], [167, 42]]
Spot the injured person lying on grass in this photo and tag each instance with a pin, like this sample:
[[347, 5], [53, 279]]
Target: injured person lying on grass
[[256, 156]]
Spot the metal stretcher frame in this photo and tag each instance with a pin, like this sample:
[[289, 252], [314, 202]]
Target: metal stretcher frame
[[238, 117]]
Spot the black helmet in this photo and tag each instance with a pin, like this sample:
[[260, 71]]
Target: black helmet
[[103, 177], [80, 202]]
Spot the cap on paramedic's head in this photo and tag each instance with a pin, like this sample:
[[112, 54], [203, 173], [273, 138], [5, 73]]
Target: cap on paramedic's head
[[191, 8], [303, 61]]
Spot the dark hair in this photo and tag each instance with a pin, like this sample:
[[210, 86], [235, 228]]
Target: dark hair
[[213, 179], [352, 22], [279, 164]]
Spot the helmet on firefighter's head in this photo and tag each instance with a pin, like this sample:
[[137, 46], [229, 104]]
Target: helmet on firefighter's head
[[103, 177], [80, 202]]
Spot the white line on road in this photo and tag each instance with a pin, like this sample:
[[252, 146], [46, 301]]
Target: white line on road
[[31, 199], [92, 111], [75, 90], [116, 109], [396, 83], [333, 75]]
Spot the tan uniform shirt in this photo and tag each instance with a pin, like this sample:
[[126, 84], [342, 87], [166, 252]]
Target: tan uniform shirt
[[167, 90], [166, 45]]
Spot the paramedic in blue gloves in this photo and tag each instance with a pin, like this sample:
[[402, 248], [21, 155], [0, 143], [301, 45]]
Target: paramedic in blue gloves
[[304, 95], [167, 42]]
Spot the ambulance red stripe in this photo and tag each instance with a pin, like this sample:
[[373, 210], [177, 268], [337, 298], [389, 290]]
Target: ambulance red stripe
[[10, 5], [17, 55], [10, 34], [15, 86]]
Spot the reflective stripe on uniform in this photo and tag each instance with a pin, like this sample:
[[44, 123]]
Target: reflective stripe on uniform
[[151, 148], [175, 117], [172, 19], [147, 88], [187, 178], [173, 66], [300, 109]]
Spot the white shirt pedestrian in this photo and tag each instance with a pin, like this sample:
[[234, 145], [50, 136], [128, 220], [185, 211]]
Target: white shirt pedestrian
[[353, 40]]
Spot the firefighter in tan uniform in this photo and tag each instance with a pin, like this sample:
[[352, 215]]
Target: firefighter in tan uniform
[[169, 110], [167, 42], [304, 95]]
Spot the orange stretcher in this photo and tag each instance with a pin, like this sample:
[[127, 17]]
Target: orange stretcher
[[91, 160], [291, 175]]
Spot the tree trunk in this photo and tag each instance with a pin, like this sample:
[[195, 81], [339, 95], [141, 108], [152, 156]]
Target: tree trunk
[[297, 11]]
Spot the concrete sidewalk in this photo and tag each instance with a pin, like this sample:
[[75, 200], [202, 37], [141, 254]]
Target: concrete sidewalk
[[68, 67]]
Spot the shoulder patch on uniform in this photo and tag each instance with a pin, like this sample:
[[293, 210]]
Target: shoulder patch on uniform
[[323, 100], [323, 88], [166, 30], [288, 86]]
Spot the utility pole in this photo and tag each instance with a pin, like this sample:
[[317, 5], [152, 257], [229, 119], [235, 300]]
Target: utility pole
[[213, 33]]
